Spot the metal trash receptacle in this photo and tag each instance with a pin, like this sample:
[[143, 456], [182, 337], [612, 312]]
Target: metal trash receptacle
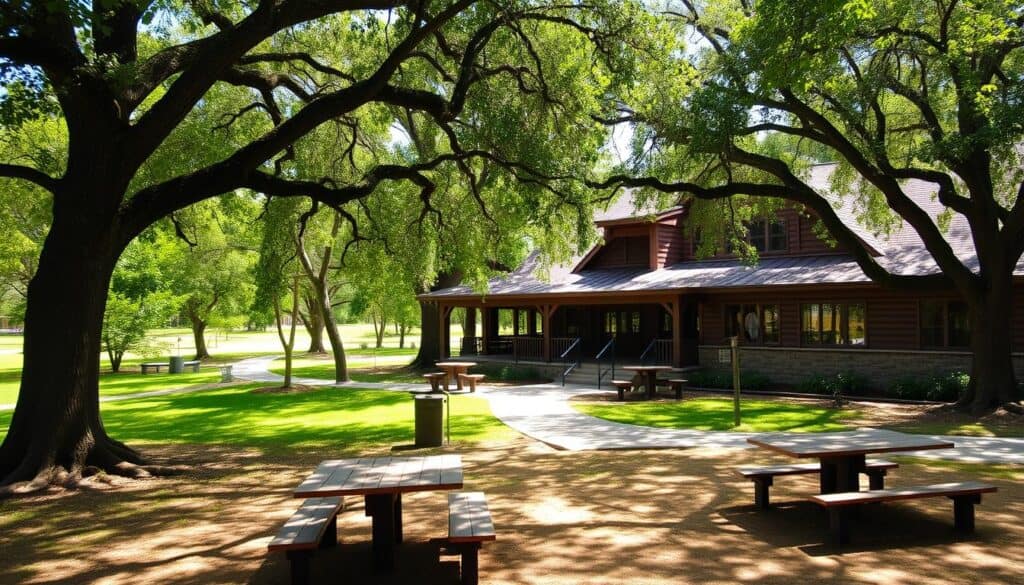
[[429, 418], [225, 374], [177, 364]]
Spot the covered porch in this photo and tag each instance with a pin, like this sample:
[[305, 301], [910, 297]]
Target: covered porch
[[653, 329]]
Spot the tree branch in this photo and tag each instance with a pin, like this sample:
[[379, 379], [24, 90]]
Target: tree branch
[[29, 174]]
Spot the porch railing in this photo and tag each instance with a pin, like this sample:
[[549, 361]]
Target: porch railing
[[560, 344], [500, 345], [527, 348], [658, 351], [606, 353], [571, 357]]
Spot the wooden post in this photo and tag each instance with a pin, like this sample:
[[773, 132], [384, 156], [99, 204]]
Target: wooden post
[[675, 310], [546, 312], [734, 343], [471, 321], [531, 322], [515, 322]]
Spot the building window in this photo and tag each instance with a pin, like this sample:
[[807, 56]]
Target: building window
[[634, 322], [944, 324], [833, 324], [767, 236], [611, 323], [754, 324]]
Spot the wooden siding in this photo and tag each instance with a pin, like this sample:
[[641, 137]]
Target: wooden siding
[[892, 316], [620, 252], [672, 245]]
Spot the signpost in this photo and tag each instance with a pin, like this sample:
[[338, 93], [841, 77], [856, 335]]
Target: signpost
[[734, 344]]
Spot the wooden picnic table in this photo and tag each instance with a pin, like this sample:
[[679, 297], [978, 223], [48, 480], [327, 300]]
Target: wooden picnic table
[[452, 370], [650, 375], [382, 481], [843, 454]]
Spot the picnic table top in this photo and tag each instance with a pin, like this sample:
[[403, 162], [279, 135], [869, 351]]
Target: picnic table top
[[845, 444], [382, 475], [455, 364], [647, 368]]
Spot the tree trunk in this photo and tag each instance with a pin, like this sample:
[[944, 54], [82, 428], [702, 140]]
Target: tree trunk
[[993, 381], [314, 325], [401, 336], [430, 330], [56, 433], [199, 334], [380, 332]]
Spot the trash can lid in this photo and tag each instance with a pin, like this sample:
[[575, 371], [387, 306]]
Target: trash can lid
[[429, 397]]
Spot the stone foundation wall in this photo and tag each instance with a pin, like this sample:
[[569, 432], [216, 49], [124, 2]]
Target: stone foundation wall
[[881, 367]]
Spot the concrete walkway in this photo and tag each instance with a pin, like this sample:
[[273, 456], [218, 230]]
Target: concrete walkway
[[258, 370], [543, 412]]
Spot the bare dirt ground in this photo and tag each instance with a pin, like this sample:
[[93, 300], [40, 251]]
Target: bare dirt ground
[[637, 517]]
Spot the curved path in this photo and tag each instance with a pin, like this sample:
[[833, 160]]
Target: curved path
[[258, 370], [543, 412]]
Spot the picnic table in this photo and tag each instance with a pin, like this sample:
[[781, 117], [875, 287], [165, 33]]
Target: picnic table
[[382, 481], [452, 371], [650, 375], [843, 455]]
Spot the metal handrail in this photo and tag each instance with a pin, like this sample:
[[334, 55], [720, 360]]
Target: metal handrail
[[647, 350], [610, 346], [565, 358]]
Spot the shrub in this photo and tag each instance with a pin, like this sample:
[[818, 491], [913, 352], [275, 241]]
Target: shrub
[[944, 387], [716, 379], [843, 384], [508, 373]]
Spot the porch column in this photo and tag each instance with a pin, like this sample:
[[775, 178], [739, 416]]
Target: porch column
[[470, 329], [546, 312], [531, 322], [444, 314], [488, 326], [515, 322], [675, 310]]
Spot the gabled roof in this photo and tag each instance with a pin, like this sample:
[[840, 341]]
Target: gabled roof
[[900, 252]]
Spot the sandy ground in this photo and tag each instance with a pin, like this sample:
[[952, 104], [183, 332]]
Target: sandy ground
[[637, 517]]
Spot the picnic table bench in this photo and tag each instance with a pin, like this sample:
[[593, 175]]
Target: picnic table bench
[[469, 526], [763, 477], [314, 525], [194, 364], [964, 495], [470, 380], [435, 379], [155, 366], [622, 386]]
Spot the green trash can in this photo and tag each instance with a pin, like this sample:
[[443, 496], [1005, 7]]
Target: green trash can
[[429, 419], [177, 364]]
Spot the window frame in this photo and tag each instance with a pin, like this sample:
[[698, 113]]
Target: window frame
[[946, 325], [844, 328], [759, 309]]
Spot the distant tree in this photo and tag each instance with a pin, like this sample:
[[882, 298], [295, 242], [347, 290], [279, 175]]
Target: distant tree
[[278, 276]]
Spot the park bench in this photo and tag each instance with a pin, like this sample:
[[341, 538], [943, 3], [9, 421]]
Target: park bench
[[194, 364], [154, 366], [622, 386], [469, 526], [314, 525], [470, 380], [964, 495], [763, 477], [435, 379]]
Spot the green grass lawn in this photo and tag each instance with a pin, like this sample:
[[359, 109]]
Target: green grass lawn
[[715, 414], [342, 419]]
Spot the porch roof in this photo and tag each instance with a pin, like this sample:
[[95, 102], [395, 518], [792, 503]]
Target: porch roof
[[708, 274]]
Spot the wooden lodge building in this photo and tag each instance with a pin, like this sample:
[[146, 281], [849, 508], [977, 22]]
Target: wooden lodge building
[[806, 308]]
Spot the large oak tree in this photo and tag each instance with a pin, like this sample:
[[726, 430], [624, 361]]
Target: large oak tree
[[126, 89], [747, 93]]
